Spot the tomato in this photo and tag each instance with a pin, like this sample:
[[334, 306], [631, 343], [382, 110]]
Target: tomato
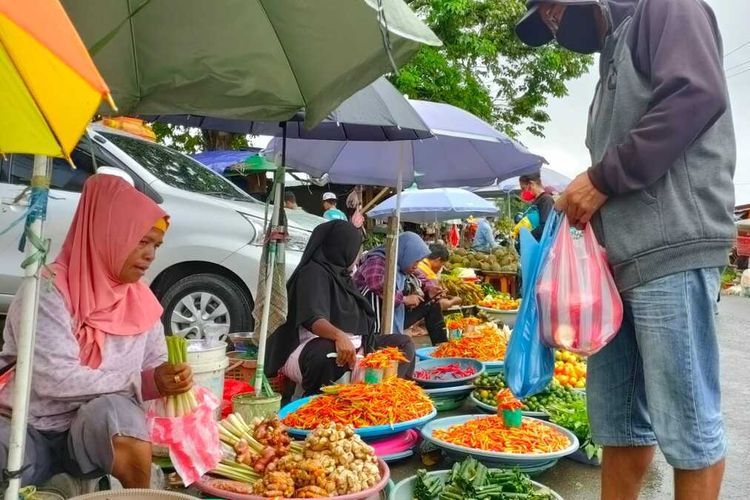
[[580, 384], [563, 379]]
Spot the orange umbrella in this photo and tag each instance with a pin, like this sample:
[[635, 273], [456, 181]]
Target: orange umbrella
[[49, 90], [49, 86]]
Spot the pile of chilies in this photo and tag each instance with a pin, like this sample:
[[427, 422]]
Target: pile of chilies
[[490, 434], [506, 401], [445, 372], [383, 358], [461, 323], [363, 405], [489, 345]]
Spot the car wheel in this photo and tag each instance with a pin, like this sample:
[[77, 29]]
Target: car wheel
[[206, 303]]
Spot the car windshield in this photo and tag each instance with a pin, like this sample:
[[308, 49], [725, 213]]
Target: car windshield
[[175, 169]]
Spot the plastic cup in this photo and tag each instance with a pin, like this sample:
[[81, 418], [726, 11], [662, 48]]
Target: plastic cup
[[373, 375], [512, 418]]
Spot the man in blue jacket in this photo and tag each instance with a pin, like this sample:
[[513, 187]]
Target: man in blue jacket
[[659, 193]]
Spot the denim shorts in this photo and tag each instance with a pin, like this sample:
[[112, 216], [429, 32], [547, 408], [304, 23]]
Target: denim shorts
[[657, 382]]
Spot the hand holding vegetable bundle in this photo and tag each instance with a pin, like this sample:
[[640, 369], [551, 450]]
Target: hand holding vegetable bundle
[[172, 380], [179, 393]]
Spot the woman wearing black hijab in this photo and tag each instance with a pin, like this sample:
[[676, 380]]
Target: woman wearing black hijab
[[327, 314]]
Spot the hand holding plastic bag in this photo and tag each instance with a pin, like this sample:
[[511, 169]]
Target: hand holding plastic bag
[[529, 364], [580, 309]]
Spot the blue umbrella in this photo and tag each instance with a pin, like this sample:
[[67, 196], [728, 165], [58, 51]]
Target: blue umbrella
[[218, 161], [433, 205], [465, 151]]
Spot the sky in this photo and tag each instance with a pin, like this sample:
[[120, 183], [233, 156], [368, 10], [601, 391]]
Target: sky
[[563, 144]]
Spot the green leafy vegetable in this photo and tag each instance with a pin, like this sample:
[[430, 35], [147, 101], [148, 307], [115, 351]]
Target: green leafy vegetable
[[574, 417]]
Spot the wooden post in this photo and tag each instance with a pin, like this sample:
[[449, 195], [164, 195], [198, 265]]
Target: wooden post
[[389, 288]]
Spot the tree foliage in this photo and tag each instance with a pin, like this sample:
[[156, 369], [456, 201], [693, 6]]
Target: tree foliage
[[191, 141], [484, 68]]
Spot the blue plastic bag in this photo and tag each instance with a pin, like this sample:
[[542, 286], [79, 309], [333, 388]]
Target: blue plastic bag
[[529, 364]]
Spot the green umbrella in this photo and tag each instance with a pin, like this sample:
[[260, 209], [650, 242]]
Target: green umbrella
[[245, 59], [254, 164]]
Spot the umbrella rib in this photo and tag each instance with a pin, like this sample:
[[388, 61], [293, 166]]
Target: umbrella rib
[[135, 53], [283, 49]]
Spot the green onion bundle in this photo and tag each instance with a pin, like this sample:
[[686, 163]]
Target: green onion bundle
[[181, 404]]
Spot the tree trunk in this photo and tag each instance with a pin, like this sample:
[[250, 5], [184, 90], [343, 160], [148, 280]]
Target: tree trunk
[[217, 140]]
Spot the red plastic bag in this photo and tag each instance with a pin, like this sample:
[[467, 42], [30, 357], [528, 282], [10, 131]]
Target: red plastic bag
[[580, 309], [231, 389]]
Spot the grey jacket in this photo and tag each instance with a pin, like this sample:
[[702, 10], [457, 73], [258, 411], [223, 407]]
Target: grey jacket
[[661, 141]]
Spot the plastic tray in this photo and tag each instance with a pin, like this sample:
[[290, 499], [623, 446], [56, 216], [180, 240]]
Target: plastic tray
[[464, 363], [404, 490], [499, 312], [369, 494], [364, 432], [399, 443], [493, 409], [494, 457], [425, 353], [460, 390], [396, 457], [449, 398]]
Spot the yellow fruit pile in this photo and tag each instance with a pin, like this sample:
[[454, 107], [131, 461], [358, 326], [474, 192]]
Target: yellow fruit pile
[[570, 370]]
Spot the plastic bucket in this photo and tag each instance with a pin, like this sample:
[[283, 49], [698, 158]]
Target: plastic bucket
[[249, 406], [208, 363]]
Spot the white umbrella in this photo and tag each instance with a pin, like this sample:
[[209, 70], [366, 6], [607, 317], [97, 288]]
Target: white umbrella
[[423, 206]]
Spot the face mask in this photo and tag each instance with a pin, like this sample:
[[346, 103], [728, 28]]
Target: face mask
[[578, 31], [527, 196]]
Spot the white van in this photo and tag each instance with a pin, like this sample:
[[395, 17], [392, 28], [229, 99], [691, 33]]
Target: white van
[[207, 270]]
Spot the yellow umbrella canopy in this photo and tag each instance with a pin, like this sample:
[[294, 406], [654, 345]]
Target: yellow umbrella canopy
[[49, 86]]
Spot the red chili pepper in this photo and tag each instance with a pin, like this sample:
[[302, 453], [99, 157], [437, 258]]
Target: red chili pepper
[[445, 372]]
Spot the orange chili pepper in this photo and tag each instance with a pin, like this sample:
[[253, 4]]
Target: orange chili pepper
[[383, 358], [363, 405], [489, 345], [490, 434]]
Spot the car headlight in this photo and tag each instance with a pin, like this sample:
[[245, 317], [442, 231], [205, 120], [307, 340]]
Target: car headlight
[[297, 241]]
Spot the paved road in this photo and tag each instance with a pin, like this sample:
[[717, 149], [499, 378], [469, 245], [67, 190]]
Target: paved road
[[579, 482]]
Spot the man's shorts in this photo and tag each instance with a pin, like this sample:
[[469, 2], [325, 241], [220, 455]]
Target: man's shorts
[[657, 382]]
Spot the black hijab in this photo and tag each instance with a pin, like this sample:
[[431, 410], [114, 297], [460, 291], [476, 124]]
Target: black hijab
[[322, 288]]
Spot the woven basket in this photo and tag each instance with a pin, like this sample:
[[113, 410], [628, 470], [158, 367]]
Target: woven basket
[[241, 368]]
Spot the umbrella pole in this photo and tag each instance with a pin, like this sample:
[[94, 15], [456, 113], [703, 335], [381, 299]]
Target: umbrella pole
[[27, 334], [389, 289], [270, 264]]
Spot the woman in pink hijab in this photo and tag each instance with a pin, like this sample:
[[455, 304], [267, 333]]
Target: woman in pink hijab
[[100, 349]]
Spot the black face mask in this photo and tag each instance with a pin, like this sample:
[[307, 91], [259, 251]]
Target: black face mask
[[578, 30]]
